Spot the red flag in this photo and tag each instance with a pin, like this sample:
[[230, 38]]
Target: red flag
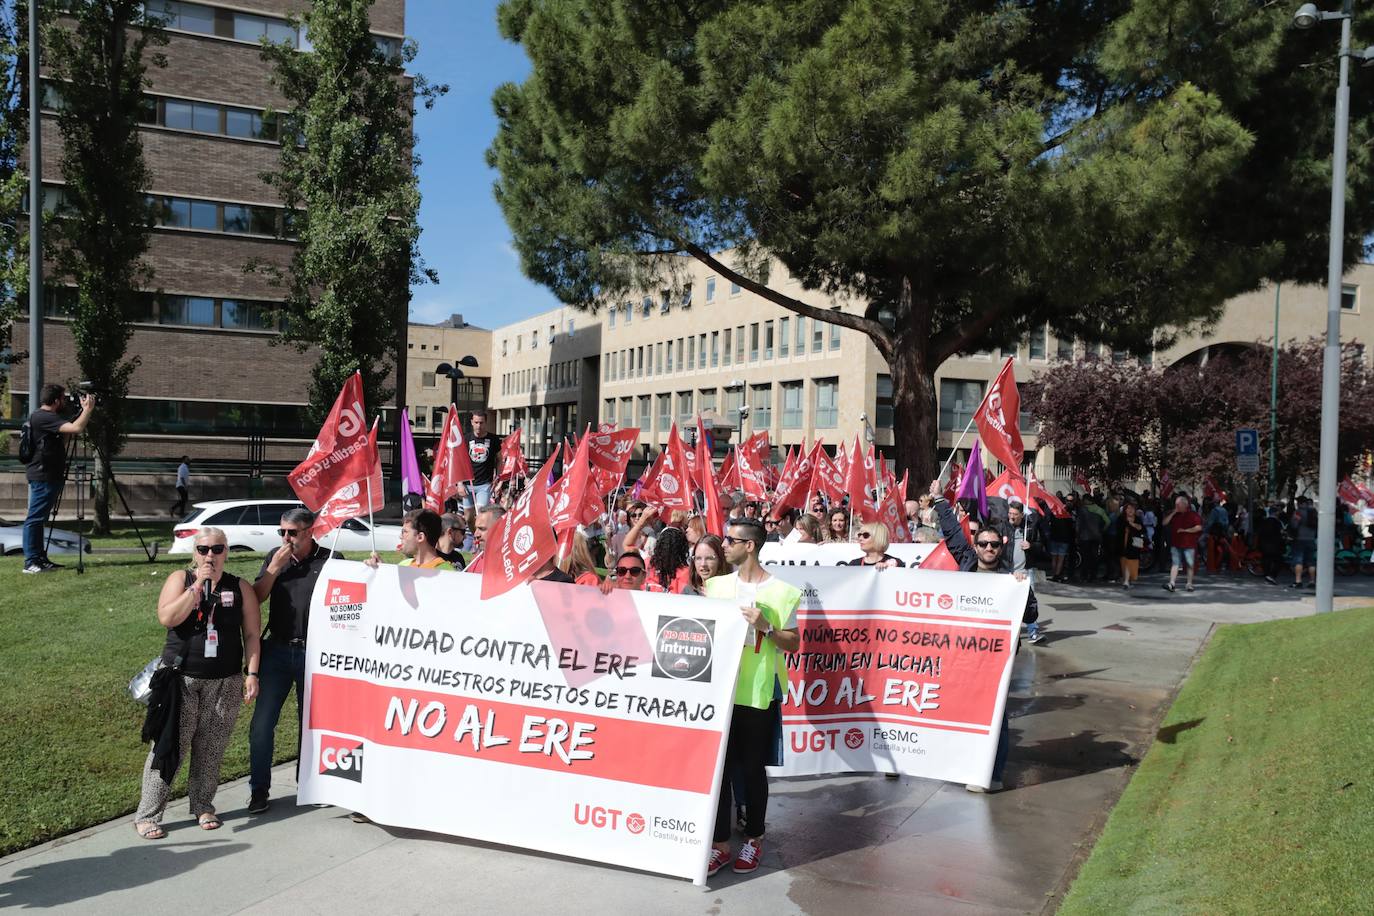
[[940, 558], [998, 419], [956, 476], [1166, 484], [825, 477], [352, 500], [714, 514], [1365, 493], [892, 513], [870, 469], [452, 466], [1038, 492], [1009, 485], [575, 502], [860, 503], [610, 450], [674, 481], [794, 486], [520, 542], [512, 456], [750, 472], [729, 474], [339, 455], [1347, 491]]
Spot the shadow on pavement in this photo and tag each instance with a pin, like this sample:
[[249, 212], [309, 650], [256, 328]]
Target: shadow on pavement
[[1064, 758], [1049, 637], [70, 880]]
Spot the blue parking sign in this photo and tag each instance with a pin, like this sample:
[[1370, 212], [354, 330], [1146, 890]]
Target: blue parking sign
[[1247, 451]]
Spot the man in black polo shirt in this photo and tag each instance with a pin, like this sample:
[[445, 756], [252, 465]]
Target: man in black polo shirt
[[286, 581], [484, 453]]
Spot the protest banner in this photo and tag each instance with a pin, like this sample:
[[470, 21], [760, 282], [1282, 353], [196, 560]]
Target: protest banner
[[834, 554], [899, 671], [551, 717]]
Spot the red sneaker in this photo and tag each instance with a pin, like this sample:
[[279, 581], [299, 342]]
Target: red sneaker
[[718, 859], [749, 855]]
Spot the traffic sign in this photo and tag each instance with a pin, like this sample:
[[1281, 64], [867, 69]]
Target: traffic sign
[[1247, 451]]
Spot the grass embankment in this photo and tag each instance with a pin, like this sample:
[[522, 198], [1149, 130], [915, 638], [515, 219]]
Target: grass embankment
[[1257, 795], [70, 754]]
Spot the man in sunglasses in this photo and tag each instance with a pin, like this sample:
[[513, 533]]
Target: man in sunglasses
[[769, 606], [285, 583], [984, 555]]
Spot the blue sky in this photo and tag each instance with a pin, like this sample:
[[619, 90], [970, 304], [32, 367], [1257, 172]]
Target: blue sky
[[464, 236]]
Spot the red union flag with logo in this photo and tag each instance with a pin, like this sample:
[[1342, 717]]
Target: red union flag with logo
[[452, 466], [998, 419], [512, 457], [360, 497], [520, 542], [339, 455]]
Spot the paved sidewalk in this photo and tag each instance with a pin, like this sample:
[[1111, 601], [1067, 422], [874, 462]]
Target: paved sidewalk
[[1084, 707]]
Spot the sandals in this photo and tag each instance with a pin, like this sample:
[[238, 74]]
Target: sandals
[[209, 821], [149, 830]]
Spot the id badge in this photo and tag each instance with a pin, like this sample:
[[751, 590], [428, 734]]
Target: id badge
[[211, 643]]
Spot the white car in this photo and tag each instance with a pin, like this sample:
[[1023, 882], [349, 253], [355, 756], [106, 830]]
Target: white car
[[12, 541], [251, 524]]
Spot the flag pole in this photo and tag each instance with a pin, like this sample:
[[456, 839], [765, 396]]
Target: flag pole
[[372, 527]]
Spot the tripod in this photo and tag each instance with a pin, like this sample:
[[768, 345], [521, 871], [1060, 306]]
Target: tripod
[[83, 479]]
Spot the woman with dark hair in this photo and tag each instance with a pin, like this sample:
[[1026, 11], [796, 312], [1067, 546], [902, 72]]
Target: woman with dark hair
[[708, 560], [810, 530], [837, 529], [670, 568]]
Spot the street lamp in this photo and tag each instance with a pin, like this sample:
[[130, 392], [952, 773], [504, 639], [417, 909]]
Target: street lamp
[[1305, 18], [453, 373]]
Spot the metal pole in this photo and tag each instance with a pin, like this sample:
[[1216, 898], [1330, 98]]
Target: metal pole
[[35, 215], [1331, 362], [1274, 400]]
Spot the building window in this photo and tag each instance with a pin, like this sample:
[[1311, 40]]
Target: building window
[[715, 348], [210, 216], [708, 400], [505, 347], [762, 406], [629, 312], [710, 289], [701, 352], [739, 343], [687, 296], [206, 20], [680, 363], [610, 317], [247, 316], [959, 398], [753, 343], [196, 311], [1063, 347], [883, 412], [827, 403], [608, 410], [726, 361], [665, 301], [658, 358], [691, 353], [427, 380], [534, 340], [684, 407], [734, 400], [791, 405], [644, 413], [1037, 344], [647, 306], [734, 289], [569, 328], [620, 374], [834, 334], [1350, 298], [782, 336], [817, 335], [800, 339]]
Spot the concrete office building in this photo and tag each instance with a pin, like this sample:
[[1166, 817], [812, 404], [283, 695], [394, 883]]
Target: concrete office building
[[210, 381], [427, 392], [711, 348]]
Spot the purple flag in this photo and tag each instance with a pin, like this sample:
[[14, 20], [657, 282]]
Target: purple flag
[[410, 468], [973, 486]]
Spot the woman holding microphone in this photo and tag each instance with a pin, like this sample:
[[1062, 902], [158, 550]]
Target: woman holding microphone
[[213, 622]]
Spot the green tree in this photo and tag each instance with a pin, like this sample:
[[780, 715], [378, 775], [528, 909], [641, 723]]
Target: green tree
[[351, 186], [98, 55], [14, 262], [965, 170]]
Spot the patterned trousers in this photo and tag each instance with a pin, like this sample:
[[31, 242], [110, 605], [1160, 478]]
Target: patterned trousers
[[209, 709]]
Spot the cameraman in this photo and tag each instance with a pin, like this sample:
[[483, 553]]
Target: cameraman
[[46, 469]]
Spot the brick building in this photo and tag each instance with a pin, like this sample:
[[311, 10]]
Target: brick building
[[211, 382]]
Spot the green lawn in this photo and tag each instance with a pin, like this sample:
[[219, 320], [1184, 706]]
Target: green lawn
[[1258, 796], [70, 754]]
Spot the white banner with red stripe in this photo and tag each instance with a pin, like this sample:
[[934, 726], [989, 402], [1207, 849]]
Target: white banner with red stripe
[[835, 553], [899, 671], [551, 717]]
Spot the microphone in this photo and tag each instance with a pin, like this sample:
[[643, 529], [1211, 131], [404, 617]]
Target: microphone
[[209, 588]]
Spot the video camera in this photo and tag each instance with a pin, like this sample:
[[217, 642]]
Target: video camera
[[83, 387]]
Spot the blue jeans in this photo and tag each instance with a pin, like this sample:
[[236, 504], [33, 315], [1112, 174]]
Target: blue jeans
[[41, 497], [280, 667], [479, 495]]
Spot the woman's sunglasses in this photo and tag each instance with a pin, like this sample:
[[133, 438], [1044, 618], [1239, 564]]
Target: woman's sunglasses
[[629, 571], [216, 549]]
